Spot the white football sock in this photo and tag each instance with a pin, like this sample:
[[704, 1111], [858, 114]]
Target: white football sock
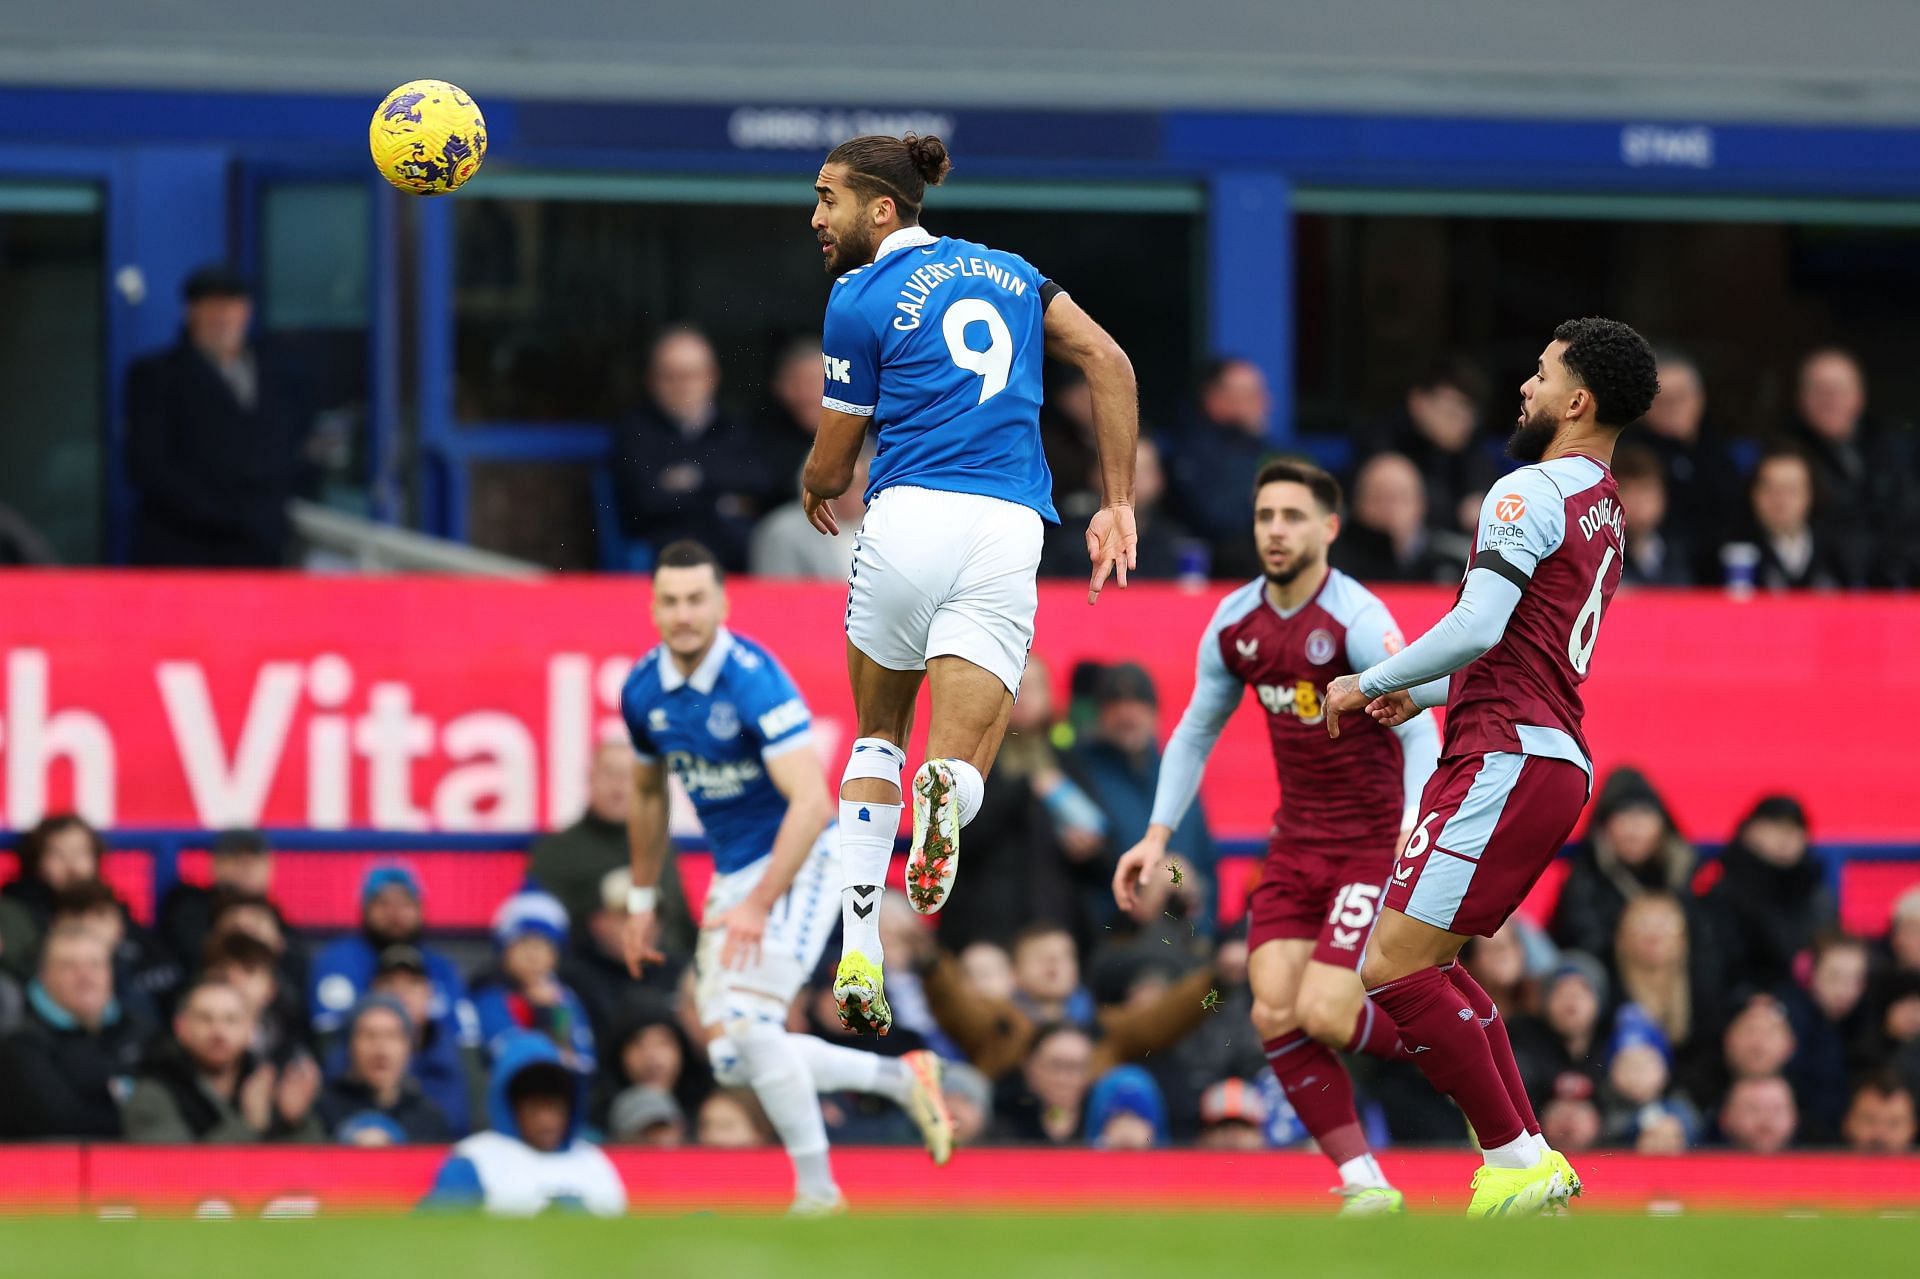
[[785, 1087], [1363, 1171], [971, 788], [867, 831], [1518, 1153], [837, 1068]]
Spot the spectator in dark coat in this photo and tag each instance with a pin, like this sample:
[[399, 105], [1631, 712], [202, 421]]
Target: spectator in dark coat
[[1067, 437], [1213, 462], [1163, 539], [1389, 538], [217, 433], [1656, 553], [1632, 847], [1119, 766], [1044, 1104], [1772, 899], [1788, 546], [60, 852], [1567, 1038], [681, 467], [60, 1070], [783, 435], [374, 1101], [144, 975], [1864, 470], [249, 965], [1828, 1017], [1703, 484], [241, 863], [1437, 428], [448, 1071], [203, 1086]]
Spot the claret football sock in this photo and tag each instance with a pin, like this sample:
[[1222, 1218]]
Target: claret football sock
[[1375, 1034], [1321, 1093], [1498, 1042], [1448, 1046]]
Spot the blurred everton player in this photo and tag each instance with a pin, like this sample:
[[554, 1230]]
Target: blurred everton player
[[1342, 812], [1507, 662], [938, 342], [718, 711]]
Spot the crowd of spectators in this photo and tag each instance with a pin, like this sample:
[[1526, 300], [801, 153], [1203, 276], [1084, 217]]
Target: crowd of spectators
[[1668, 1000]]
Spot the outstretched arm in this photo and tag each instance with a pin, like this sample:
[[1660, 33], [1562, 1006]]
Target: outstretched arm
[[1074, 338]]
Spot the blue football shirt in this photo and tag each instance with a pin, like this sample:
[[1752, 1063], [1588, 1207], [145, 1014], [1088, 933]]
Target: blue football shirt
[[716, 729], [941, 342]]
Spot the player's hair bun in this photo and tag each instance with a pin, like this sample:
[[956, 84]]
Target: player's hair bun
[[929, 155]]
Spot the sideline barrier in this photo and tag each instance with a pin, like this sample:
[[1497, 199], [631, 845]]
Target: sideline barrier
[[286, 1181], [431, 703]]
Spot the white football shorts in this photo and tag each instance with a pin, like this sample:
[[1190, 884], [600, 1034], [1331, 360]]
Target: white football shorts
[[938, 574], [797, 930]]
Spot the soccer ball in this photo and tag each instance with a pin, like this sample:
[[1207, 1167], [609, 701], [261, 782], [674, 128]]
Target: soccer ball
[[428, 137]]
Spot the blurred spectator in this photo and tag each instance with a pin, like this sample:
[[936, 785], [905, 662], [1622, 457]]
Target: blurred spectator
[[1880, 1117], [783, 434], [647, 1117], [1571, 1123], [1046, 977], [681, 467], [1233, 1116], [1044, 1104], [1565, 1038], [143, 978], [1863, 469], [1499, 964], [988, 970], [1212, 464], [651, 1050], [524, 991], [60, 1070], [1035, 826], [1656, 555], [1164, 541], [1759, 1116], [1702, 489], [1892, 1007], [60, 852], [1437, 429], [969, 1097], [242, 864], [203, 1085], [1640, 1106], [19, 940], [1758, 1043], [376, 1101], [217, 436], [1125, 1111], [1829, 1019], [731, 1119], [1787, 549], [594, 966], [1675, 981], [573, 864], [236, 914], [1119, 765], [1632, 847], [1073, 452], [249, 966], [1389, 537], [1772, 898], [441, 1063], [532, 1158], [390, 915], [787, 545]]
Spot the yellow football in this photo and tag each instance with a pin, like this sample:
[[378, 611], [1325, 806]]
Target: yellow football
[[428, 137]]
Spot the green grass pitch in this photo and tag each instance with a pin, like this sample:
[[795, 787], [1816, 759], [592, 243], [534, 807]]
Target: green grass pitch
[[976, 1246]]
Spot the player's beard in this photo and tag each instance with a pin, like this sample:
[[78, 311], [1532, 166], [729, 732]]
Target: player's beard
[[1531, 439], [854, 249], [1288, 575]]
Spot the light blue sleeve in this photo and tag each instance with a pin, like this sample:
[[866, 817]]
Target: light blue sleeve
[[1474, 625], [1216, 692], [850, 356], [1371, 639], [1523, 520]]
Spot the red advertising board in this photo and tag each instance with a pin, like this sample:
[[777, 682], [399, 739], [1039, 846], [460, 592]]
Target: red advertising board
[[411, 703], [255, 1180]]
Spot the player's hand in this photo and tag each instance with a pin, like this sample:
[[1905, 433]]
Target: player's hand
[[1342, 697], [636, 939], [1393, 709], [746, 926], [819, 512], [298, 1087], [1113, 545], [1136, 864]]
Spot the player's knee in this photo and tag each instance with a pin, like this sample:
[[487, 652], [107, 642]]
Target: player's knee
[[729, 1068], [1328, 1016], [1271, 1021]]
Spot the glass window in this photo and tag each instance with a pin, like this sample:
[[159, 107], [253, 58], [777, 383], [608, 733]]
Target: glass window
[[51, 366]]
